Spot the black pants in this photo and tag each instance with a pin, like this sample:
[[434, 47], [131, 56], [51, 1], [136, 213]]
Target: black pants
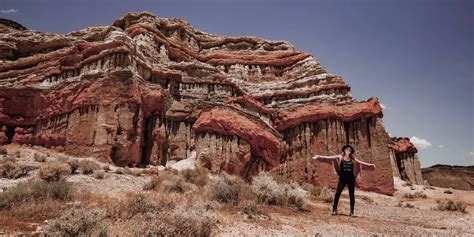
[[344, 180]]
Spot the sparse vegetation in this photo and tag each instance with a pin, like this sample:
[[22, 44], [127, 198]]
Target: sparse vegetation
[[313, 190], [227, 188], [88, 166], [54, 171], [450, 205], [326, 195], [79, 222], [416, 194], [198, 176], [39, 157], [3, 150], [34, 190], [270, 192], [73, 164], [152, 184], [99, 174], [12, 170]]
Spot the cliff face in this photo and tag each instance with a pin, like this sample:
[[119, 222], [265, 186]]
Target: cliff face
[[450, 176], [405, 162], [151, 90]]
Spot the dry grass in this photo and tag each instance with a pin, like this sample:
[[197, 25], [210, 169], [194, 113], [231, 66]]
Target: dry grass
[[268, 191], [197, 176], [99, 174], [33, 201], [227, 188], [416, 194], [88, 166], [12, 170], [326, 195], [450, 205], [3, 150], [152, 184], [34, 190], [54, 171], [39, 157], [79, 222]]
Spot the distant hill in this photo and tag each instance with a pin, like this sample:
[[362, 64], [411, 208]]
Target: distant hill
[[447, 176]]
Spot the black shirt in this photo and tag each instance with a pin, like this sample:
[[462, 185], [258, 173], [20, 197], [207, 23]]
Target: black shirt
[[346, 168]]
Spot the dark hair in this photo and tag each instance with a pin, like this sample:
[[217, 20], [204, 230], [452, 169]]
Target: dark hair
[[351, 155]]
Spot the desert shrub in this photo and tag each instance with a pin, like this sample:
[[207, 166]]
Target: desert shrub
[[138, 204], [416, 194], [141, 204], [88, 166], [12, 170], [3, 150], [119, 170], [54, 171], [73, 165], [17, 154], [267, 190], [152, 184], [99, 174], [295, 196], [106, 168], [136, 172], [227, 188], [39, 157], [448, 192], [313, 190], [172, 183], [450, 205], [79, 222], [127, 170], [8, 158], [34, 190], [326, 195], [187, 222], [250, 208], [198, 176]]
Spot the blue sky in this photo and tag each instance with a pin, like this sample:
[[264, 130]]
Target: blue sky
[[417, 57]]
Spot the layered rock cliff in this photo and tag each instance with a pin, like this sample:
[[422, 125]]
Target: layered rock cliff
[[149, 90], [450, 176], [405, 162]]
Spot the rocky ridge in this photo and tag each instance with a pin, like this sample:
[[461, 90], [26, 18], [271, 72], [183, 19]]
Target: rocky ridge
[[152, 91]]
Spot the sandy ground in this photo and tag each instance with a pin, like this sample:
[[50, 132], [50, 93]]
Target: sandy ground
[[375, 214]]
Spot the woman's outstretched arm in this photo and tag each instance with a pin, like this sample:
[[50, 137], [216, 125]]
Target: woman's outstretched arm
[[365, 165], [325, 158]]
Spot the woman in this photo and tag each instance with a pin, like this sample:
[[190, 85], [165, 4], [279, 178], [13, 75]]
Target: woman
[[349, 170]]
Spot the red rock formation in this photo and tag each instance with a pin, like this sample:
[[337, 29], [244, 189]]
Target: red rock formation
[[405, 162], [151, 90]]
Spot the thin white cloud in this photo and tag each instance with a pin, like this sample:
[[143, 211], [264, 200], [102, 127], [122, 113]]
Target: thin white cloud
[[471, 153], [420, 142], [384, 106], [441, 146], [11, 10]]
